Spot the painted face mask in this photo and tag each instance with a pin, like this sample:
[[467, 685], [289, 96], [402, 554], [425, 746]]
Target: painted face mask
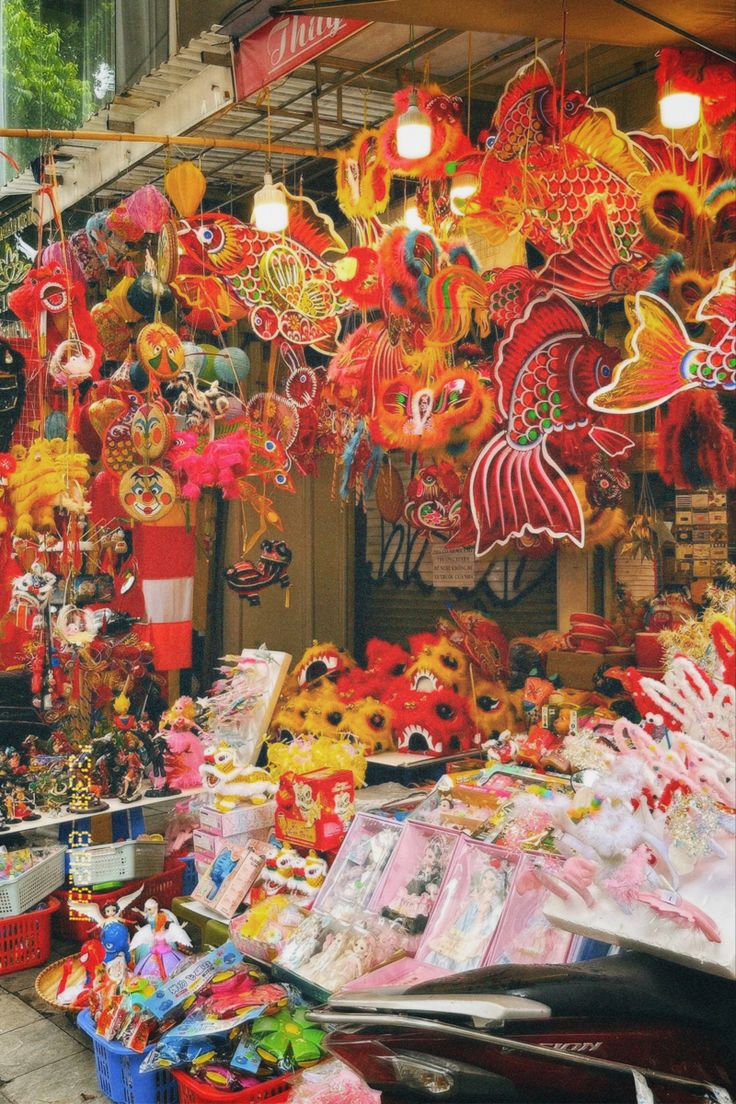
[[149, 431], [147, 493], [160, 351]]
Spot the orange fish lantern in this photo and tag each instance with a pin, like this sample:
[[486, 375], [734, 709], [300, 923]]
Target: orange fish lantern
[[160, 351]]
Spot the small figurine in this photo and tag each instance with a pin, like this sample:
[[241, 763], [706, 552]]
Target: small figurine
[[114, 935], [21, 809], [131, 787], [248, 579], [185, 751], [91, 954], [156, 750], [159, 940]]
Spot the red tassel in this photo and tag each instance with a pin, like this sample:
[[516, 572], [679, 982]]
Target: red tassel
[[695, 447]]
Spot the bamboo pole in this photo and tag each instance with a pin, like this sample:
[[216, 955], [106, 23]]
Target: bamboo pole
[[247, 144]]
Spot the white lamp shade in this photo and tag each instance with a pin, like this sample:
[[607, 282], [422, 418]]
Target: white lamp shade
[[413, 132], [270, 209], [679, 109], [462, 187]]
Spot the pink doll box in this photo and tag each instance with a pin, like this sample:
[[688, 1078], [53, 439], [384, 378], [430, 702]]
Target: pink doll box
[[229, 877], [524, 936], [358, 867], [247, 818], [207, 846], [464, 920], [411, 882]]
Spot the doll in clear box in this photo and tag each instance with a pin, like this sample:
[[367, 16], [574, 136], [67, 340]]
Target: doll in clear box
[[461, 946], [360, 875], [414, 902]]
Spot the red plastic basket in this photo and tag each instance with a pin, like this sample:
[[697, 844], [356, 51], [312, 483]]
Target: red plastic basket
[[192, 1091], [163, 887], [25, 940]]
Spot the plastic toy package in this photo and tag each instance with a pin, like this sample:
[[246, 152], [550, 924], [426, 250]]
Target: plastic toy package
[[409, 889], [230, 876], [356, 872], [329, 953]]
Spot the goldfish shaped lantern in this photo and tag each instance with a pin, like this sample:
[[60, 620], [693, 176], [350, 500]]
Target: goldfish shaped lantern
[[551, 160], [663, 359], [248, 579], [285, 283], [547, 367]]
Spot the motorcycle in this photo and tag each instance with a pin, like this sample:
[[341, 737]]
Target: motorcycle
[[606, 1031]]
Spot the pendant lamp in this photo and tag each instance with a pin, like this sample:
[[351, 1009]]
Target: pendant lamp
[[413, 132], [270, 209], [679, 109]]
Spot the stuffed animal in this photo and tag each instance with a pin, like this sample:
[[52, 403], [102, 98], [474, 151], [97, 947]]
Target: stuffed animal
[[229, 783], [221, 463], [319, 661], [495, 708], [48, 475]]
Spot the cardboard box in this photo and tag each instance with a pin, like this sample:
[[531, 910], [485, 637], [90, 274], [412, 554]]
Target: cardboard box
[[207, 844], [247, 818], [576, 669]]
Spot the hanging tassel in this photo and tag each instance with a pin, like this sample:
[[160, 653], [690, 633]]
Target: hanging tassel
[[287, 598], [695, 447]]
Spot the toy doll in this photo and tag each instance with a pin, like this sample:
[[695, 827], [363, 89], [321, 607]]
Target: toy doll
[[185, 751], [156, 749], [462, 946], [131, 785], [159, 940], [413, 904], [113, 928]]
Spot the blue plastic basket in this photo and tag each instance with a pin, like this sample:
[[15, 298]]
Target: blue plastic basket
[[118, 1072], [190, 875]]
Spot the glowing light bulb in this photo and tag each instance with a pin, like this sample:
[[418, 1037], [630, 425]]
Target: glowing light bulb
[[462, 187], [679, 109], [412, 218], [270, 209], [413, 132]]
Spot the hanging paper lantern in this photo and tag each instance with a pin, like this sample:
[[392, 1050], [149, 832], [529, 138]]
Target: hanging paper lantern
[[110, 249], [117, 297], [146, 493], [121, 223], [61, 253], [195, 357], [160, 350], [207, 370], [111, 330], [84, 254], [148, 293], [232, 365], [55, 426], [185, 185], [138, 376], [150, 432], [148, 209]]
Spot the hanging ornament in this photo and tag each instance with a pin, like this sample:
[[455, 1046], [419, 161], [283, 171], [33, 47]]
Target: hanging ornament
[[160, 351], [148, 209], [117, 297], [150, 296], [231, 365], [248, 579], [185, 186], [270, 209], [147, 493], [150, 433]]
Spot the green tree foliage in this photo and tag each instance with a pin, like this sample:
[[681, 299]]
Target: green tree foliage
[[42, 90]]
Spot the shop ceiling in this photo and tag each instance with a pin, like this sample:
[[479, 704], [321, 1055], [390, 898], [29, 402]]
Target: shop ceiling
[[324, 102]]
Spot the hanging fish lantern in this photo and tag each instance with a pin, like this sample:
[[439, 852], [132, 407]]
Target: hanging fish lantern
[[185, 186], [160, 351]]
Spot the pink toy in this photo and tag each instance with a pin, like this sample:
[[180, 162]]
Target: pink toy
[[185, 751], [221, 463], [684, 913]]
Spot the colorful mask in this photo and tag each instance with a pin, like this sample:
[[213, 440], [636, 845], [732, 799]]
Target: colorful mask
[[160, 351], [149, 431], [418, 417], [147, 493], [433, 500]]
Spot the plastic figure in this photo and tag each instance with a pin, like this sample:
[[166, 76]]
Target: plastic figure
[[158, 940]]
